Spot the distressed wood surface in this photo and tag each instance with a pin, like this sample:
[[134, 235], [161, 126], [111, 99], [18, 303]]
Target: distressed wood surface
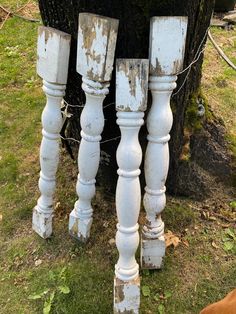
[[167, 44], [96, 46], [128, 195], [53, 50], [126, 296], [96, 50], [131, 84], [52, 66]]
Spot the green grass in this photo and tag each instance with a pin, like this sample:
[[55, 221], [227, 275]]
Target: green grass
[[192, 276], [219, 83]]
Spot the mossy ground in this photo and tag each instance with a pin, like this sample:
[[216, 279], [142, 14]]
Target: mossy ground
[[193, 275]]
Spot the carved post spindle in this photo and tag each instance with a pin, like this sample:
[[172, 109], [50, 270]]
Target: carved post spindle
[[95, 56], [52, 66], [131, 100], [167, 46]]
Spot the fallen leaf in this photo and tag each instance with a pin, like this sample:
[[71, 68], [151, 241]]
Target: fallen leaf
[[214, 245], [212, 218], [224, 225], [171, 239], [0, 217], [185, 243], [38, 262], [57, 205], [112, 241]]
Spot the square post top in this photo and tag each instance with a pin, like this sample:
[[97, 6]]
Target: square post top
[[53, 51], [131, 84], [96, 46], [167, 44]]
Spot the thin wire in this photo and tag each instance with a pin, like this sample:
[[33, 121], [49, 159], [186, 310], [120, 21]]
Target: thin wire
[[73, 139], [195, 59], [112, 139], [69, 105], [78, 106], [189, 70], [113, 103], [196, 54], [69, 139]]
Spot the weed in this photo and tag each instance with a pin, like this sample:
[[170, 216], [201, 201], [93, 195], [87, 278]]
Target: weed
[[58, 286]]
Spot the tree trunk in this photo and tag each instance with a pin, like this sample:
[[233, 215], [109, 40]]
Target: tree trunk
[[133, 42]]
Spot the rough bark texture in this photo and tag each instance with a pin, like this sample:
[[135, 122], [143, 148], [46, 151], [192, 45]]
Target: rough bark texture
[[133, 37]]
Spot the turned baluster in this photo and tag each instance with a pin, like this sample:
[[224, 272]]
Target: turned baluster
[[131, 99], [167, 46], [52, 66], [95, 56]]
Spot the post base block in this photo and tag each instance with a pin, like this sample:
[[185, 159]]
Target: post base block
[[79, 228], [126, 296], [42, 223], [152, 252]]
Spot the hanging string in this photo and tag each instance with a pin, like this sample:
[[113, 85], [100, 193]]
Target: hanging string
[[102, 142], [195, 59], [79, 106], [69, 139], [112, 139], [112, 103]]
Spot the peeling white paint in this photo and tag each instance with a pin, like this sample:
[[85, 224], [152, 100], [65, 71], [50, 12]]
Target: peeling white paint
[[131, 101], [96, 41], [53, 51], [131, 84], [127, 296], [167, 44], [95, 57], [52, 65], [124, 98]]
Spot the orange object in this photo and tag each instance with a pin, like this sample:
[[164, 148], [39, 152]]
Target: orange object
[[224, 306]]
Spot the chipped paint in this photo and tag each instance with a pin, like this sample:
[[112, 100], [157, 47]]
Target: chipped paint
[[96, 46], [167, 44], [42, 223], [95, 57], [53, 50], [49, 158], [166, 53], [131, 84], [152, 252], [126, 296], [79, 228]]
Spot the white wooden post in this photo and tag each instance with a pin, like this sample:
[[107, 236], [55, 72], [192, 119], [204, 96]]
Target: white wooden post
[[95, 57], [52, 66], [167, 47], [131, 100]]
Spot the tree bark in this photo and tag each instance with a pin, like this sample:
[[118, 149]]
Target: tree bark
[[133, 42]]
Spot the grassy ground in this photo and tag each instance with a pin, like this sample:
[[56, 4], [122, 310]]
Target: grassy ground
[[199, 271], [219, 83]]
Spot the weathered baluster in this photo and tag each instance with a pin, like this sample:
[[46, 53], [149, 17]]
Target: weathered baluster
[[52, 66], [95, 56], [167, 46], [131, 100]]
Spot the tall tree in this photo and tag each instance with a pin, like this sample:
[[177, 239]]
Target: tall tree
[[133, 42]]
